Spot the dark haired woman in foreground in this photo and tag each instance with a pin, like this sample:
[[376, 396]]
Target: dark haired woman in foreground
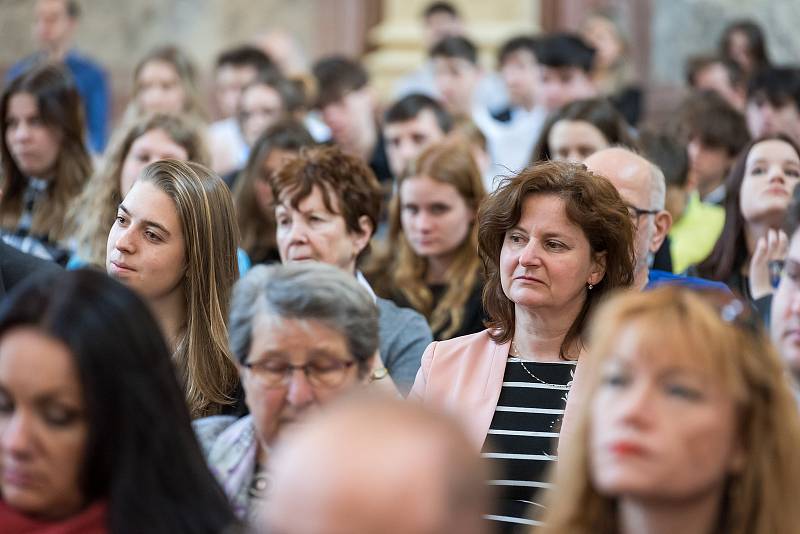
[[94, 429]]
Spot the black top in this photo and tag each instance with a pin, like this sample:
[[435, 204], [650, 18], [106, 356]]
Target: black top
[[522, 438], [474, 316], [473, 311]]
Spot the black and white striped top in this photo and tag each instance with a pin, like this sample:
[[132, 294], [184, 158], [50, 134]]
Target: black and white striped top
[[522, 437]]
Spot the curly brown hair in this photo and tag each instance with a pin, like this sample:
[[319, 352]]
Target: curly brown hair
[[590, 201], [348, 186]]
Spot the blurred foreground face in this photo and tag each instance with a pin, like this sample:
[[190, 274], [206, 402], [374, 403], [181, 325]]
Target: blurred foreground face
[[43, 430], [662, 429], [386, 467], [785, 320], [294, 366]]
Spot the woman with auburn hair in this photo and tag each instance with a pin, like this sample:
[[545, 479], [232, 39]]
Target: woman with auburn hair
[[174, 242], [252, 194], [95, 435], [433, 238], [165, 81], [44, 160], [553, 240], [327, 206], [688, 424], [143, 141]]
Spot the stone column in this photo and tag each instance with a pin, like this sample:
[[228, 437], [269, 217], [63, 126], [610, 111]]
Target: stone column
[[399, 46]]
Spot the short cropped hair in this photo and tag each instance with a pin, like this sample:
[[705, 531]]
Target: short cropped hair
[[565, 50], [591, 202], [521, 42], [446, 8], [246, 56], [455, 47], [779, 85], [305, 291], [336, 77], [408, 107]]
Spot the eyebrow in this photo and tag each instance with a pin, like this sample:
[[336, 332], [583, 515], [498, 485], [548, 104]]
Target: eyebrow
[[784, 162], [146, 222]]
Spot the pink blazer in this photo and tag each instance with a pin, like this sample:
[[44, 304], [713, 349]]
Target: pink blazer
[[463, 376]]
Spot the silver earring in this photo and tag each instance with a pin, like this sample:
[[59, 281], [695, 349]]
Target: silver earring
[[591, 287]]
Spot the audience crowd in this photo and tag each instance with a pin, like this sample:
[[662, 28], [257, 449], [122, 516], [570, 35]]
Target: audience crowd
[[497, 303]]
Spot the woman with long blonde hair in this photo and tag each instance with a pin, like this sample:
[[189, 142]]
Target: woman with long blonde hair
[[141, 142], [174, 242], [688, 424], [434, 239]]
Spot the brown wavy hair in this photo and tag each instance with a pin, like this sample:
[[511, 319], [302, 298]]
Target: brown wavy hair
[[591, 202], [60, 108], [208, 223], [338, 176], [449, 162], [708, 330], [102, 195]]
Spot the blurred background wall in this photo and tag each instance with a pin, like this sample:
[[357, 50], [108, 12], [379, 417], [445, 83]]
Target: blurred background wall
[[662, 33]]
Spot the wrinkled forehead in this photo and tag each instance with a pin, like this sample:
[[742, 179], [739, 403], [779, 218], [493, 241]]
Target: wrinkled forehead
[[310, 196]]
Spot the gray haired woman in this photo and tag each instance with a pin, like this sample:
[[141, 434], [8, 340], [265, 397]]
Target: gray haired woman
[[302, 334]]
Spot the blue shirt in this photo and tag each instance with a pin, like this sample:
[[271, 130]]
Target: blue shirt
[[92, 84], [657, 278]]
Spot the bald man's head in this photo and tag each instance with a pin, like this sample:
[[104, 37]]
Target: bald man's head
[[641, 185], [377, 465]]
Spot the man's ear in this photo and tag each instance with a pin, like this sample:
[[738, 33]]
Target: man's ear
[[362, 237], [663, 222]]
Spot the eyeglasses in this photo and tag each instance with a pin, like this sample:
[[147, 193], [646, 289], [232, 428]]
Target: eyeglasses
[[635, 212], [277, 373]]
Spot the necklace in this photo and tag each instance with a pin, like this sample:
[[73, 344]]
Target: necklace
[[518, 355]]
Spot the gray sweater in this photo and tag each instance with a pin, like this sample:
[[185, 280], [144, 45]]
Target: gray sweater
[[404, 336]]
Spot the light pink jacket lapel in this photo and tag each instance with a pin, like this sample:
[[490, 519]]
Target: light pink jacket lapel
[[464, 376]]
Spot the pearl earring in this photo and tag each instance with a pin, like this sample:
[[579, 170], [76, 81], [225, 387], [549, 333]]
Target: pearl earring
[[591, 287]]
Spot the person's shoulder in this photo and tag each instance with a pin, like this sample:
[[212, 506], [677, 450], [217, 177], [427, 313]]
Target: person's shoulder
[[16, 265], [477, 343], [388, 309], [208, 428], [658, 278]]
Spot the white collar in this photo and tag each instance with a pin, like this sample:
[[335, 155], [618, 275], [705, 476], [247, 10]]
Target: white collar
[[363, 281]]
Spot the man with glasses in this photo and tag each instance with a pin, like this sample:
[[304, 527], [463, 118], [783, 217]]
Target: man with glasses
[[641, 185]]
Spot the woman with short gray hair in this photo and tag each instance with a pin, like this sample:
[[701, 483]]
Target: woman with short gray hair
[[307, 317]]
